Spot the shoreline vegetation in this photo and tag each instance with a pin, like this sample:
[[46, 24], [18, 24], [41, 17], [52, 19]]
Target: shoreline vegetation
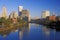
[[55, 24], [8, 24]]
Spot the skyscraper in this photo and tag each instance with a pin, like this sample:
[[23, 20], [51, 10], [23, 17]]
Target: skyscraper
[[4, 12], [26, 15], [45, 14], [0, 16], [20, 8]]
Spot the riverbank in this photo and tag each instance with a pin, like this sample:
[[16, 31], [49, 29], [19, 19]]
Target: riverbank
[[15, 26]]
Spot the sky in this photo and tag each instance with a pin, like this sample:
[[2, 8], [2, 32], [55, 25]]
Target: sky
[[35, 7]]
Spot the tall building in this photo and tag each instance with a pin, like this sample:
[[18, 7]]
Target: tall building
[[20, 8], [13, 14], [45, 14], [0, 15], [4, 12], [26, 15]]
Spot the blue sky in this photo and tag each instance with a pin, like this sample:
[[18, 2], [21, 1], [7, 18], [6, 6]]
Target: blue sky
[[34, 6]]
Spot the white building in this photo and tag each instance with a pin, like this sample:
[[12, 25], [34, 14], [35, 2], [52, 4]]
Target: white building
[[45, 14], [20, 8], [4, 12], [0, 15]]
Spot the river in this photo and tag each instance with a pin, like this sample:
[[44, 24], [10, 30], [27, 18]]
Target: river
[[31, 32]]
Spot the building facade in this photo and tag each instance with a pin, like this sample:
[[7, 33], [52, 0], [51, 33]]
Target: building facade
[[58, 18], [4, 12], [13, 14], [20, 8], [52, 18], [45, 14], [25, 15]]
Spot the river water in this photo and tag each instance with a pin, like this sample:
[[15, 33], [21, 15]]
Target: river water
[[31, 32]]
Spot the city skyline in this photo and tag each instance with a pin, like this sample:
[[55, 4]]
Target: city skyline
[[34, 6]]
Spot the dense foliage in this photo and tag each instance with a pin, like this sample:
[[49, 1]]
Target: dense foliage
[[8, 22]]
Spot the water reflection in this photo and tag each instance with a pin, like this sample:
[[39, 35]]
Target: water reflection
[[45, 30], [50, 33], [27, 27], [30, 32], [21, 35]]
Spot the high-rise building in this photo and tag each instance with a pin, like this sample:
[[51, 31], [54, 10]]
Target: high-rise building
[[26, 15], [20, 8], [0, 15], [4, 12], [13, 14], [45, 14]]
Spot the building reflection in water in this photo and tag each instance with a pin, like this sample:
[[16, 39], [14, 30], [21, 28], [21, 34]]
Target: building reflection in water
[[28, 27], [45, 30], [21, 31], [48, 32], [20, 35], [36, 25]]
